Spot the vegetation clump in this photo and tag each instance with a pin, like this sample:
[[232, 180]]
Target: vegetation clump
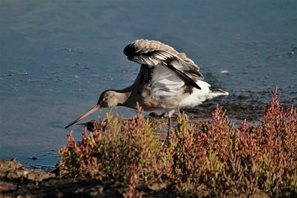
[[213, 159]]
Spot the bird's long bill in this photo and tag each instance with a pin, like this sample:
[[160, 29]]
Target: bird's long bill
[[91, 111]]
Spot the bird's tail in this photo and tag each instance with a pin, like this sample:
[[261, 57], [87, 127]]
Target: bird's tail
[[217, 92]]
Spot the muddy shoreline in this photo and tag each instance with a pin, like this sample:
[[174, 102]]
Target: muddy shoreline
[[17, 181]]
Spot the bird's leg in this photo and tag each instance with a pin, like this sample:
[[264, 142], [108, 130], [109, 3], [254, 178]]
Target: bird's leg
[[166, 142], [169, 114], [181, 111], [169, 122]]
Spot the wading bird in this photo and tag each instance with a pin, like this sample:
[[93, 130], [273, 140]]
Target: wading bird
[[168, 80]]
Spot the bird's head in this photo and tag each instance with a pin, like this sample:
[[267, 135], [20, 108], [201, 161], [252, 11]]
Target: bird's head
[[108, 98]]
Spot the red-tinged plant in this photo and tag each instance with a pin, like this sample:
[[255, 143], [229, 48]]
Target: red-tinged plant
[[69, 162], [109, 151], [229, 161], [133, 182], [277, 137], [178, 151]]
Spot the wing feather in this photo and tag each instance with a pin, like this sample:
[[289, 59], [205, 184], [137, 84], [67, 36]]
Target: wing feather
[[154, 53]]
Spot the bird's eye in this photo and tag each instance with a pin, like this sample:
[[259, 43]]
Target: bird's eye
[[104, 99]]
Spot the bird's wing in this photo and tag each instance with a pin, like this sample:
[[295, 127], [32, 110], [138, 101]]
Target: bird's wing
[[165, 83], [157, 54], [158, 86]]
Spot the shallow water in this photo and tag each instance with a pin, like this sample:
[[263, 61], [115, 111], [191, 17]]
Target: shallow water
[[56, 58]]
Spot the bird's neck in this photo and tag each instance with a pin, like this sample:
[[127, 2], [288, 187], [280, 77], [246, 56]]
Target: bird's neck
[[123, 96]]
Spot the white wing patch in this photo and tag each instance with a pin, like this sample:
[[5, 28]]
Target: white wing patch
[[165, 83]]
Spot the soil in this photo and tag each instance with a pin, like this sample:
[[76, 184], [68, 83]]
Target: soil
[[17, 181]]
